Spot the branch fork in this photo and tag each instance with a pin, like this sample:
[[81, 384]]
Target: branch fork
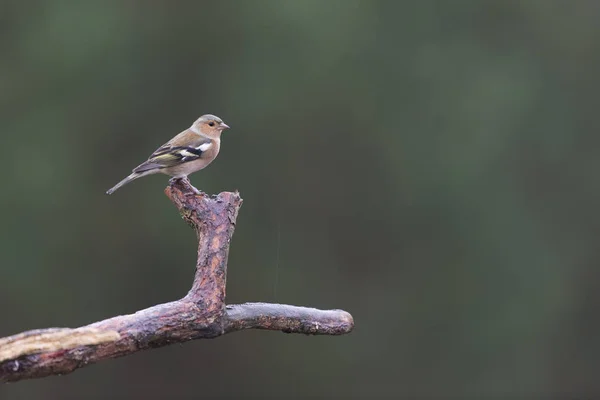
[[201, 314]]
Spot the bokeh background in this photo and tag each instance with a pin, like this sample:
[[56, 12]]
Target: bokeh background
[[433, 167]]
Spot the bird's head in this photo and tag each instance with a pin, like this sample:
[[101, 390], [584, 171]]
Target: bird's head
[[209, 125]]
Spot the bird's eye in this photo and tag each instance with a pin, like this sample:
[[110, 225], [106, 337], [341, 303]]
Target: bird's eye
[[211, 124]]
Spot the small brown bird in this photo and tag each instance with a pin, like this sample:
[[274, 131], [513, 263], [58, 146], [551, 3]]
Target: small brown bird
[[188, 152]]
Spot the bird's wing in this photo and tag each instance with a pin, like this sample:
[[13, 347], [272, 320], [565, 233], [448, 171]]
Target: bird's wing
[[185, 147]]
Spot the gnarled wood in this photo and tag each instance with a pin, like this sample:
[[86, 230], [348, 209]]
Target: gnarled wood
[[200, 314]]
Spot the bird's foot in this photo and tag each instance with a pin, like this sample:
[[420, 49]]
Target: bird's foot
[[195, 191], [186, 181]]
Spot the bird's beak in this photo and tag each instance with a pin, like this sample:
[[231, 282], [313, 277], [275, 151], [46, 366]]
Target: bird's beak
[[223, 126]]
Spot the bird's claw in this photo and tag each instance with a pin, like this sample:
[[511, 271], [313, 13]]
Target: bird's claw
[[186, 182], [195, 192]]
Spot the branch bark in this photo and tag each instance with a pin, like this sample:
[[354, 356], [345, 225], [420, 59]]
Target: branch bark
[[201, 314]]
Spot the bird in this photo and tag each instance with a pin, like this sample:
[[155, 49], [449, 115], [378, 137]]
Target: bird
[[189, 151]]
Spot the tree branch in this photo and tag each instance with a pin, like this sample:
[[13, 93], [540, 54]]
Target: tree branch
[[200, 314]]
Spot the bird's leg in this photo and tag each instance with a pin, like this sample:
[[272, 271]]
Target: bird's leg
[[186, 180]]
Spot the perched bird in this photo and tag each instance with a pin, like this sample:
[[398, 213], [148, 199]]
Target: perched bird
[[188, 152]]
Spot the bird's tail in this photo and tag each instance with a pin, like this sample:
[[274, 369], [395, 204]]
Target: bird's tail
[[130, 178]]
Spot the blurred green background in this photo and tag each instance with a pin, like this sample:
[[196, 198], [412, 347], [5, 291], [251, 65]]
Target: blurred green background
[[433, 167]]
